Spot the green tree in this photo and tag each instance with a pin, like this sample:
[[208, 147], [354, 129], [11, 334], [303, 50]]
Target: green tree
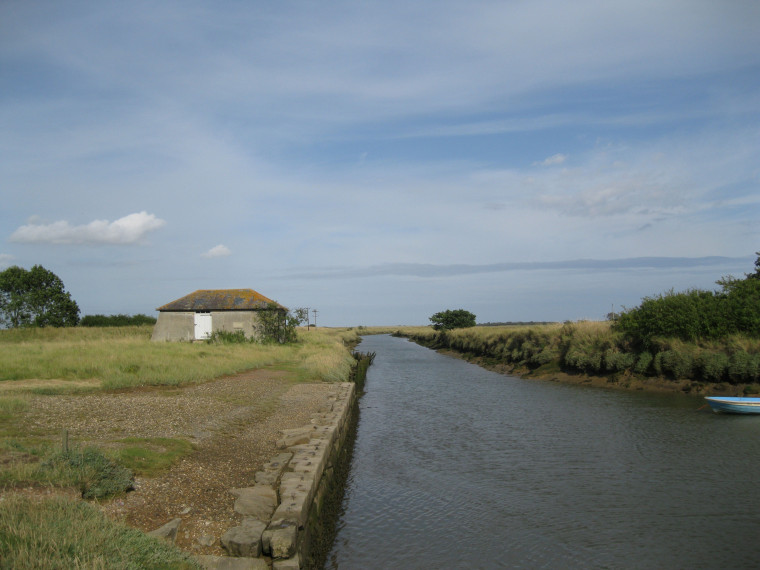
[[278, 325], [35, 298], [452, 319]]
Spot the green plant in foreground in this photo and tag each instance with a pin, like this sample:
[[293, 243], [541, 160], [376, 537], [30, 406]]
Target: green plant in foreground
[[59, 533], [96, 475], [148, 456]]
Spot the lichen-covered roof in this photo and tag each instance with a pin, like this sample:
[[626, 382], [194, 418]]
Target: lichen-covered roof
[[221, 300]]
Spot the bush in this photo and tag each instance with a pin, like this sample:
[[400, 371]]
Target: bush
[[643, 363], [712, 366], [96, 475], [696, 314], [616, 361], [674, 363], [116, 320], [227, 337], [743, 367]]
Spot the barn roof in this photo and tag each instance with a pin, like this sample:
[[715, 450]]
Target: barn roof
[[220, 300]]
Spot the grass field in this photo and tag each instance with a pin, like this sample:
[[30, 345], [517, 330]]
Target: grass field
[[77, 359]]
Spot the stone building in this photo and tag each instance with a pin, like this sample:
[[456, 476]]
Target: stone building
[[197, 315]]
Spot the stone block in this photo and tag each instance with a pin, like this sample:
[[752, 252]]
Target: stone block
[[283, 541], [258, 501], [295, 436], [293, 563], [244, 540], [229, 563], [168, 531], [293, 509]]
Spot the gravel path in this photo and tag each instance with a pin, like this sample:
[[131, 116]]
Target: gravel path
[[233, 422]]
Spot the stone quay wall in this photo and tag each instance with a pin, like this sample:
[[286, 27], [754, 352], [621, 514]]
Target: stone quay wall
[[284, 511]]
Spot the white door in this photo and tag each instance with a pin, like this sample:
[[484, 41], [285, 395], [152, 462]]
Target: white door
[[202, 325]]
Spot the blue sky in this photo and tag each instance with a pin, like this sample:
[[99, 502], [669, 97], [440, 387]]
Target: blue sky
[[381, 161]]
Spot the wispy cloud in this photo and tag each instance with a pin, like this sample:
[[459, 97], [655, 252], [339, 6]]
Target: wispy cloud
[[553, 160], [128, 230], [6, 259], [592, 265], [217, 251]]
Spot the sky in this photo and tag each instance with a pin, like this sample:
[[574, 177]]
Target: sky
[[381, 161]]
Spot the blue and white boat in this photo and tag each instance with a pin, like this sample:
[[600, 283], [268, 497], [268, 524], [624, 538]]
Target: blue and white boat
[[734, 404]]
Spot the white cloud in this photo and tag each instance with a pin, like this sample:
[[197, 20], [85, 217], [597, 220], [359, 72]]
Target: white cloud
[[6, 259], [217, 251], [127, 230], [552, 160]]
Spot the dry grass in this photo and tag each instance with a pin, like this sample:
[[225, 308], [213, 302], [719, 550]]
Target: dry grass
[[60, 533], [79, 359]]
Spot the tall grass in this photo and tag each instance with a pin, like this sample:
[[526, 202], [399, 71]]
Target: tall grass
[[124, 357], [597, 348], [60, 533]]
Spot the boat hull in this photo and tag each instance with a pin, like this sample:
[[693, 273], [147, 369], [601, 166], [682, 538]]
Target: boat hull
[[734, 404]]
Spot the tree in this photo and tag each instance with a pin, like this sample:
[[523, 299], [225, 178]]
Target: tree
[[35, 298], [279, 325], [452, 319]]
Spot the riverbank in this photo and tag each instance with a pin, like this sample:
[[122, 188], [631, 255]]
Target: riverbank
[[589, 353]]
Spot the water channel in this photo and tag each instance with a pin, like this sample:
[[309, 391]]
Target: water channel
[[459, 467]]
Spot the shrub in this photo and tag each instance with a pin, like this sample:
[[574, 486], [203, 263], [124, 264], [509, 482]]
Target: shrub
[[96, 475], [743, 367], [227, 337], [712, 366], [616, 361], [696, 314], [643, 363], [116, 320], [674, 363]]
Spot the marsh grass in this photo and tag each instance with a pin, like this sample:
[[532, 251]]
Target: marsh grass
[[60, 533], [91, 471], [114, 358], [596, 348], [12, 405]]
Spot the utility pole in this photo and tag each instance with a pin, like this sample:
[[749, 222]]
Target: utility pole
[[308, 322], [315, 318]]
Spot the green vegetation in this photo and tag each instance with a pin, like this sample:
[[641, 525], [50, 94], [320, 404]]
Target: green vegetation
[[696, 315], [280, 326], [452, 319], [59, 533], [116, 320], [38, 362], [596, 348], [89, 470], [124, 357], [35, 298], [149, 456], [703, 336]]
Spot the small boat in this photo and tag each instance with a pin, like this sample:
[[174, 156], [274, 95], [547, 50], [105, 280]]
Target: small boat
[[734, 404]]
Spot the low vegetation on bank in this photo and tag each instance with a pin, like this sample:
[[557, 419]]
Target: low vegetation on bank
[[596, 348], [59, 533], [704, 337], [75, 359]]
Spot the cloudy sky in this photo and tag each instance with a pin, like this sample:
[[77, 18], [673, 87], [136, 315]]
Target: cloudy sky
[[381, 160]]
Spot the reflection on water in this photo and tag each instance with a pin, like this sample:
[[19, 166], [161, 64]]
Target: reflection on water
[[459, 467]]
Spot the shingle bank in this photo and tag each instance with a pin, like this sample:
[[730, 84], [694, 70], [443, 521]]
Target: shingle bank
[[283, 511]]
